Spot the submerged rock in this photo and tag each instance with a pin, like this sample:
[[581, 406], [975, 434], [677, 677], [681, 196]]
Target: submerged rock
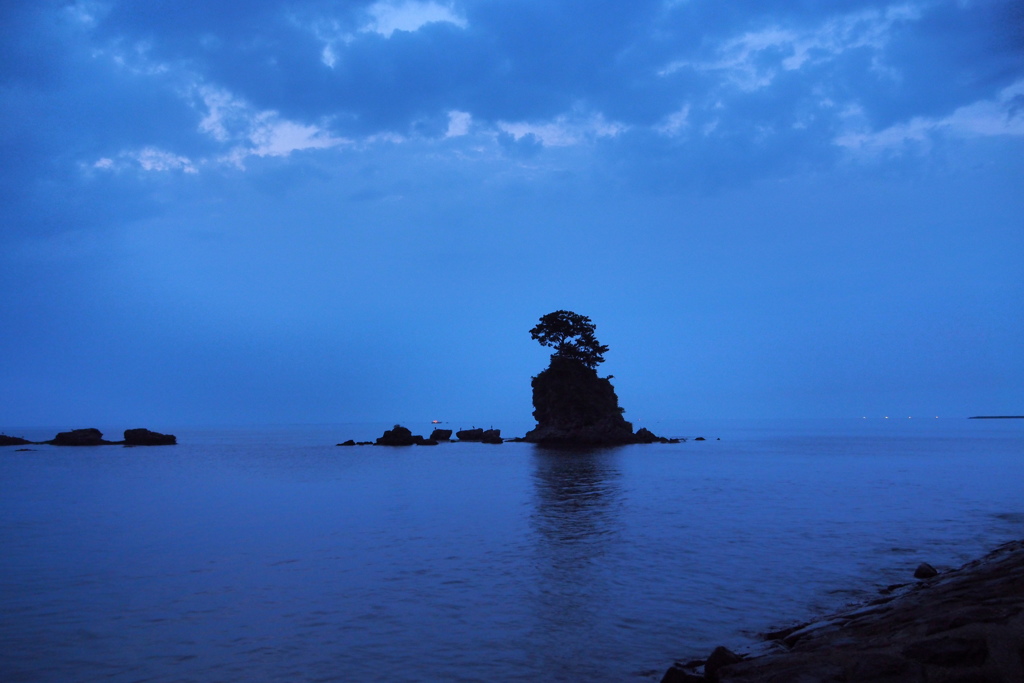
[[80, 437], [144, 437]]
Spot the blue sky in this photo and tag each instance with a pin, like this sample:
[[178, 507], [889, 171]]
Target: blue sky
[[319, 211]]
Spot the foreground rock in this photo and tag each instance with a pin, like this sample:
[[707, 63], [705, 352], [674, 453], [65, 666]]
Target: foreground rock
[[13, 441], [144, 437], [964, 625], [80, 437]]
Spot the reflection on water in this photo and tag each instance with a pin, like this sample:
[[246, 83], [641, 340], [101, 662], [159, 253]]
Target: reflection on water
[[576, 522]]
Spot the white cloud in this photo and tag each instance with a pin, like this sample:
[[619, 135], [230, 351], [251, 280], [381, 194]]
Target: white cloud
[[564, 131], [389, 17], [675, 123], [245, 131], [458, 123], [985, 118], [273, 136], [753, 60], [230, 119], [148, 159]]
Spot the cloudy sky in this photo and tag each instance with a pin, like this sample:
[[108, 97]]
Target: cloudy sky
[[339, 210]]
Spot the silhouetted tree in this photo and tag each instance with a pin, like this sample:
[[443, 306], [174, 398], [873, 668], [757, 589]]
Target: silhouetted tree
[[571, 335]]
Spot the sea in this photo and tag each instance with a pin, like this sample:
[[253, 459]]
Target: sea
[[271, 554]]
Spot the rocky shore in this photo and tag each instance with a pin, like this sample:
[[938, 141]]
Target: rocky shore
[[965, 625]]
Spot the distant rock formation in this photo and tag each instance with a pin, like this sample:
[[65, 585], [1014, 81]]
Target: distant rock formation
[[94, 437], [482, 435], [572, 405], [144, 437], [401, 436], [396, 436], [441, 434], [80, 437]]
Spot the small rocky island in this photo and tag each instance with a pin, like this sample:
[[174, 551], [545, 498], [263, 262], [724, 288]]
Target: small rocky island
[[94, 437], [572, 404]]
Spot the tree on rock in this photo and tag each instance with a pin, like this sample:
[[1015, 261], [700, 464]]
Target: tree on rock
[[571, 335], [572, 405]]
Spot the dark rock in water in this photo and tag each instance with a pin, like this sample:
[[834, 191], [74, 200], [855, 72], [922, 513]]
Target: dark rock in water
[[350, 442], [644, 435], [700, 438], [925, 571], [397, 436], [492, 436], [572, 405], [677, 674], [144, 437], [13, 440], [24, 450], [79, 437], [441, 434], [426, 442], [720, 657], [475, 434]]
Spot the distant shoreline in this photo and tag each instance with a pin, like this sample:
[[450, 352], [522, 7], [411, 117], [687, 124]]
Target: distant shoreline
[[997, 417]]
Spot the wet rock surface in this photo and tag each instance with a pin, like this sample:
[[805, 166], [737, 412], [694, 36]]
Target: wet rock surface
[[962, 625]]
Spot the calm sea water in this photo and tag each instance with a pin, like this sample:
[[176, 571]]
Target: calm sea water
[[273, 555]]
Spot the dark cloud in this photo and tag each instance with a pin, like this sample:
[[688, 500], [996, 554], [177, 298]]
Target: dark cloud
[[83, 82]]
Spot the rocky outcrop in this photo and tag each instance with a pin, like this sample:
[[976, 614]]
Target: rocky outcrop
[[13, 441], [481, 435], [144, 437], [962, 625], [573, 405], [644, 435], [399, 436], [80, 437], [396, 436], [441, 434]]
